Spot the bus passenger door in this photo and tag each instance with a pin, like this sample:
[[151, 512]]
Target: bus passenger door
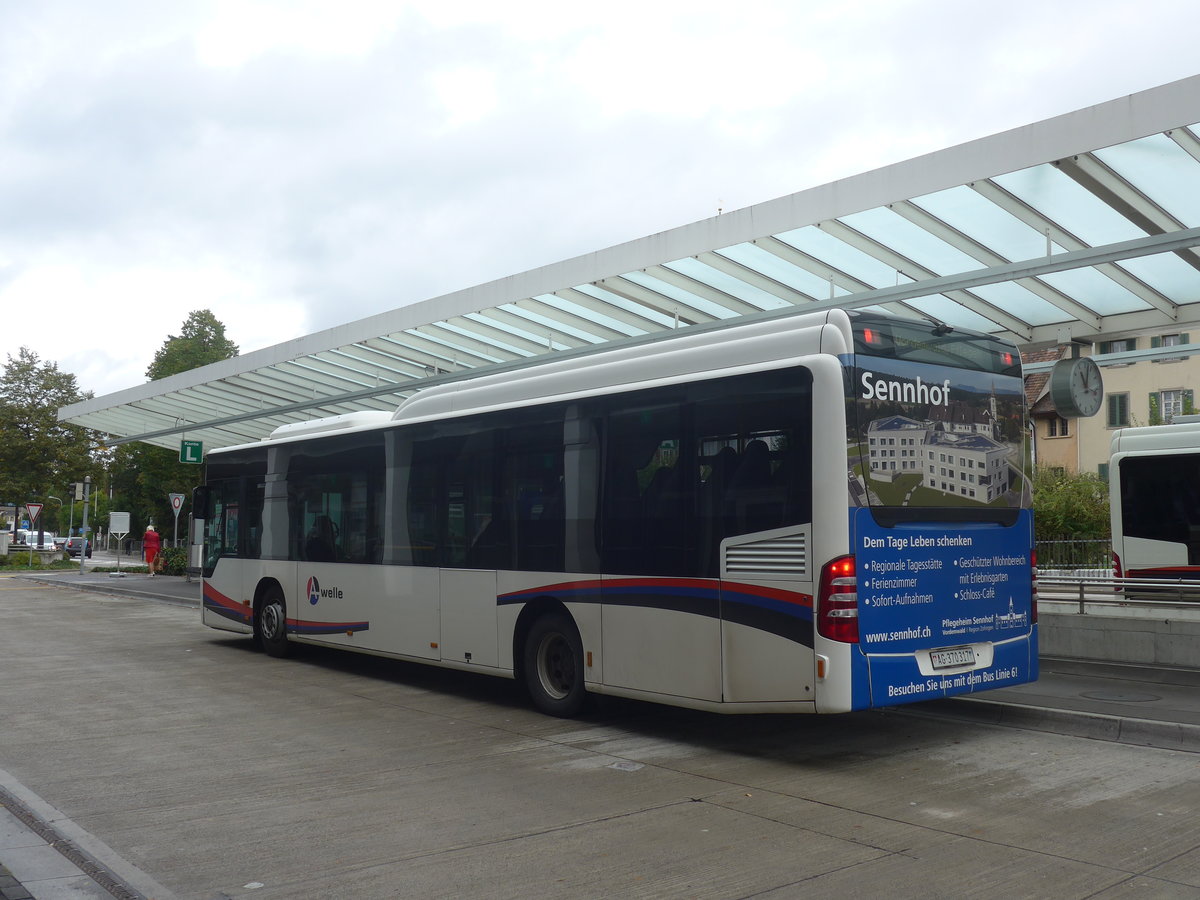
[[661, 626]]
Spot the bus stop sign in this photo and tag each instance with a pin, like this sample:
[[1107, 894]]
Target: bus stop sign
[[191, 452]]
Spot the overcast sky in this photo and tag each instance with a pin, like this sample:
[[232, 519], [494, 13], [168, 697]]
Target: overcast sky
[[294, 166]]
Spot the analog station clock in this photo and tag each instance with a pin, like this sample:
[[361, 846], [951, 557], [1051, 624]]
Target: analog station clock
[[1076, 387]]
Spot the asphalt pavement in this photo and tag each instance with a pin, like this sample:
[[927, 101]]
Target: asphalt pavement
[[1140, 705]]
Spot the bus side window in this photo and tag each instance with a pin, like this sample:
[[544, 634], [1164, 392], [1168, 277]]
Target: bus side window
[[647, 508]]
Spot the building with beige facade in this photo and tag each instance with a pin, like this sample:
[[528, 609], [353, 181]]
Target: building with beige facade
[[1145, 383]]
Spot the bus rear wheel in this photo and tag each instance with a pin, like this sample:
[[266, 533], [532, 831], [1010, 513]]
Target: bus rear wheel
[[272, 623], [553, 658]]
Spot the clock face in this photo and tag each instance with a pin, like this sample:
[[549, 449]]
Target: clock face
[[1086, 386], [1077, 387]]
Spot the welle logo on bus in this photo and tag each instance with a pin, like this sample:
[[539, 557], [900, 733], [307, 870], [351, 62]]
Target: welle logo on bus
[[932, 442], [315, 592]]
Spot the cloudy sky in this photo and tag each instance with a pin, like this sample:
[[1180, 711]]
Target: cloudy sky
[[296, 165]]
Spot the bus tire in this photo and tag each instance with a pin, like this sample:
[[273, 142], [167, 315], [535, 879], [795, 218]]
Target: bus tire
[[271, 627], [553, 665]]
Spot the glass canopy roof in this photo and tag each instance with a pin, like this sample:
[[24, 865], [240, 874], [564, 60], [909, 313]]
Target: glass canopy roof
[[1078, 227]]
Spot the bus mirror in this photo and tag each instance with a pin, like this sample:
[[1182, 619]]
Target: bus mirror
[[200, 498]]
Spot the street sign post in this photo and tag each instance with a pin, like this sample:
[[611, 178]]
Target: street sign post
[[191, 452], [34, 510], [118, 524], [176, 506]]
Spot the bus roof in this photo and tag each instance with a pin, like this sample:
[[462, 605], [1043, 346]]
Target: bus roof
[[1178, 436]]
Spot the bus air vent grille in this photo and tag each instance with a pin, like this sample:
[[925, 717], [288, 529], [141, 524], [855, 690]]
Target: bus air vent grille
[[775, 557]]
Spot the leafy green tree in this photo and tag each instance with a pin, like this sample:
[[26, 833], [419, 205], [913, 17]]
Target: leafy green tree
[[38, 454], [200, 341], [1066, 505], [144, 475]]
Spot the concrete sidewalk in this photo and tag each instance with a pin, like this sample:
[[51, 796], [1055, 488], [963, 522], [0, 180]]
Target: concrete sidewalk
[[1154, 707]]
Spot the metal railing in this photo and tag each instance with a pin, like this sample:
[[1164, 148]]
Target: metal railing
[[1073, 553], [1097, 590]]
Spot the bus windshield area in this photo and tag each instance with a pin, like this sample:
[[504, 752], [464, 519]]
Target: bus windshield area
[[936, 420], [1160, 502]]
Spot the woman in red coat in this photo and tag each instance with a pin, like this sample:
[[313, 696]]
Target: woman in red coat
[[150, 544]]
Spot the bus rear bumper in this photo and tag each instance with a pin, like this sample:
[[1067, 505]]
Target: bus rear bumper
[[898, 678]]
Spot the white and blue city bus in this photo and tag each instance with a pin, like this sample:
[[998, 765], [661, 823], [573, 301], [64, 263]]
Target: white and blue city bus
[[816, 514]]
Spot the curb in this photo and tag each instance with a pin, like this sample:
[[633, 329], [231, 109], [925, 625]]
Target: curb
[[115, 589], [10, 888], [1096, 726]]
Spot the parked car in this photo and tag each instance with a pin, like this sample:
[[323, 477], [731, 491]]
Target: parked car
[[29, 538], [77, 544]]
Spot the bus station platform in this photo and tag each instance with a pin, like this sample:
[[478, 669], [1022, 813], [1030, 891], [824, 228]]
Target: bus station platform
[[1138, 705], [1147, 705]]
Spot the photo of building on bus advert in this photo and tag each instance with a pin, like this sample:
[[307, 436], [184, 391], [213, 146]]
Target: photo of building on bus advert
[[936, 436]]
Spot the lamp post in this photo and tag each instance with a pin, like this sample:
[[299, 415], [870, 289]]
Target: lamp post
[[87, 489], [71, 498]]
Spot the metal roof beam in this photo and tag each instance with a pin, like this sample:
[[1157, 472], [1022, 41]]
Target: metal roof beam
[[442, 354], [765, 283], [490, 330], [531, 328], [1186, 138], [584, 300], [1094, 176], [453, 339], [910, 268], [835, 276], [535, 306], [1022, 211], [705, 291], [375, 363], [660, 303]]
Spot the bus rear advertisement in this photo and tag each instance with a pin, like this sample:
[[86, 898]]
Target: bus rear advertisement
[[817, 514], [941, 514]]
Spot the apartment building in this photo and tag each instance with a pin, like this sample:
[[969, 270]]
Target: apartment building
[[1150, 390]]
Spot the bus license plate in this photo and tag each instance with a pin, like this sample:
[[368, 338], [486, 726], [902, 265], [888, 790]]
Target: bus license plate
[[954, 656]]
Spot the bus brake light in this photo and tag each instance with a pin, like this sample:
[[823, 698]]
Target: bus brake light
[[837, 601]]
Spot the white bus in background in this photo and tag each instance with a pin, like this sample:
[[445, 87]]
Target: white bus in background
[[1154, 501], [816, 514]]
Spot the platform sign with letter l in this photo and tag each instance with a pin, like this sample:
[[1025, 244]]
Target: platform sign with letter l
[[191, 452]]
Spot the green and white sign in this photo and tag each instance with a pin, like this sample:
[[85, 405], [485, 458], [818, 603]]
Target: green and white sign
[[191, 452]]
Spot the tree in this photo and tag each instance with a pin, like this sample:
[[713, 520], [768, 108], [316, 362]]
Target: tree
[[39, 455], [144, 475], [1066, 505], [200, 341]]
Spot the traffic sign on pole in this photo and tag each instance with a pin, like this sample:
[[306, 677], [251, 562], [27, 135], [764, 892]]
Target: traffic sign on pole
[[34, 510], [176, 505], [191, 452]]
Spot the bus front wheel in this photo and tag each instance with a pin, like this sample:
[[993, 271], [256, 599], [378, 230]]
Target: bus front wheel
[[553, 668], [272, 623]]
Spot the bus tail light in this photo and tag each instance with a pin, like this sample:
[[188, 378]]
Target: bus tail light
[[1118, 572], [837, 601]]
